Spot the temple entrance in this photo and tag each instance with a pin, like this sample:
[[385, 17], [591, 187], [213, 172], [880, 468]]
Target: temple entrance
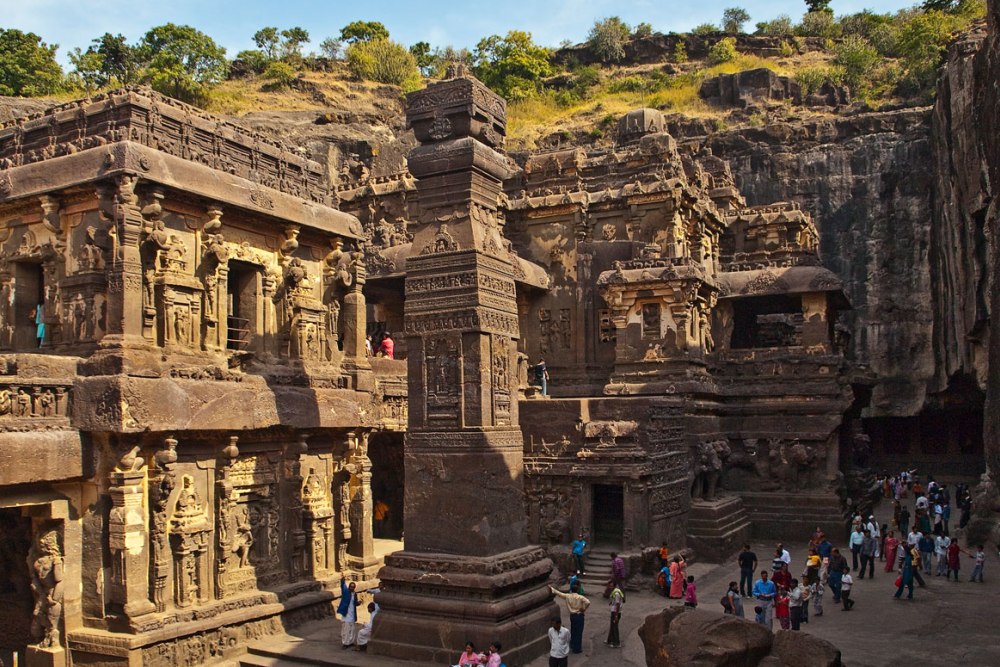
[[29, 294], [241, 305], [609, 514], [386, 453], [16, 600]]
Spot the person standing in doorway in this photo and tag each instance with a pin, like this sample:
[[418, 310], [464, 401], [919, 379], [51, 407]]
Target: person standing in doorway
[[577, 606], [616, 601], [380, 512], [559, 640]]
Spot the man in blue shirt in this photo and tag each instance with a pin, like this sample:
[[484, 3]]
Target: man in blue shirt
[[764, 591], [578, 546]]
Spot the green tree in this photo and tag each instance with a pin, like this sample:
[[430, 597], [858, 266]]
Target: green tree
[[818, 6], [255, 60], [279, 74], [512, 65], [722, 51], [28, 65], [267, 40], [733, 19], [819, 24], [608, 38], [363, 31], [779, 25], [181, 61], [292, 41], [425, 58], [922, 43], [383, 61], [643, 30], [858, 60], [939, 5], [88, 69], [331, 48], [705, 29]]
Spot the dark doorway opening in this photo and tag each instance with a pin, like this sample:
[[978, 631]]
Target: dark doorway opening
[[386, 453], [241, 305], [609, 514], [16, 600], [29, 295]]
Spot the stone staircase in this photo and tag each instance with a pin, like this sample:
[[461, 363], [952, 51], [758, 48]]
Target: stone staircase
[[794, 516], [598, 573], [718, 528]]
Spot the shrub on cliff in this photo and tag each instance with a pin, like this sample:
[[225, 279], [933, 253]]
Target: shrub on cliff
[[858, 59], [722, 51], [383, 61], [513, 65], [607, 39]]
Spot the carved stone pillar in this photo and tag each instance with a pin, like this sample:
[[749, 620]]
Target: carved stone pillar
[[296, 537], [463, 455], [119, 205], [317, 517], [161, 485], [128, 538], [361, 549]]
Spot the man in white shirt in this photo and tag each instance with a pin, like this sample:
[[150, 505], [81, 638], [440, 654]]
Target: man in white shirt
[[559, 644], [914, 537], [785, 556], [876, 532]]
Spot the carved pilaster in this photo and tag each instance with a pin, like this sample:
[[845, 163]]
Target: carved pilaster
[[296, 542], [127, 537], [317, 517], [190, 531], [119, 206], [161, 485]]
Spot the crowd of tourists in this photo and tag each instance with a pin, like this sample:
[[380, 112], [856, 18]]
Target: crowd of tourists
[[909, 545]]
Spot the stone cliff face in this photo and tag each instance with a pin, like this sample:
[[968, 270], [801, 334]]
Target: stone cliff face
[[866, 179]]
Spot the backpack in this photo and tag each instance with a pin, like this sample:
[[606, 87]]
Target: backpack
[[726, 605]]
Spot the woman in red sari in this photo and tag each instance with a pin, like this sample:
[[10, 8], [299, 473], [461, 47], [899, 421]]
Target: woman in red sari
[[677, 577], [891, 543]]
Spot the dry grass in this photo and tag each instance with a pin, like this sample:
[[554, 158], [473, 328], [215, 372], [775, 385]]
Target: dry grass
[[531, 120]]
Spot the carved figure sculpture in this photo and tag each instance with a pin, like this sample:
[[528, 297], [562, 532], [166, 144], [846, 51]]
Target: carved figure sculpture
[[243, 540], [6, 402], [708, 469], [22, 407], [45, 562]]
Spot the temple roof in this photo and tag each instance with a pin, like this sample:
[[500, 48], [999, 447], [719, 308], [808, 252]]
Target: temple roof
[[786, 280]]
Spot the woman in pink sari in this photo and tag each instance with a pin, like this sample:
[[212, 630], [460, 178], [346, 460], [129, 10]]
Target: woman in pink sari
[[890, 552], [677, 577]]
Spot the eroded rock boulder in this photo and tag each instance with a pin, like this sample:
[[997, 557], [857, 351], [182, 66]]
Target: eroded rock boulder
[[680, 636]]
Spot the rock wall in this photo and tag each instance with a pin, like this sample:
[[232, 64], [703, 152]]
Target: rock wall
[[866, 179]]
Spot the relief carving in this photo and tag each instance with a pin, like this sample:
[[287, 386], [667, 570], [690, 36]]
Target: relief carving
[[46, 564]]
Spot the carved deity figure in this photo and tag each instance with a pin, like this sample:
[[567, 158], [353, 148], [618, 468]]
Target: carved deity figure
[[707, 470], [22, 405], [243, 540], [45, 562], [47, 404], [6, 402]]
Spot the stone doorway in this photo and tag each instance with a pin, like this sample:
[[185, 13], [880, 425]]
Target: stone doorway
[[386, 453], [16, 600], [609, 514], [29, 295]]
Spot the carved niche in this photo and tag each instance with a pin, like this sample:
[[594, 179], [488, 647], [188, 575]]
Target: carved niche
[[441, 361], [190, 533]]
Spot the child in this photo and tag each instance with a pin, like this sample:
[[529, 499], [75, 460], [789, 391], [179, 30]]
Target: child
[[758, 615], [977, 570], [845, 589], [663, 580], [690, 594], [781, 611]]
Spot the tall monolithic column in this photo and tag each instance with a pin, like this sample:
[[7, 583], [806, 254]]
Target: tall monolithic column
[[467, 572]]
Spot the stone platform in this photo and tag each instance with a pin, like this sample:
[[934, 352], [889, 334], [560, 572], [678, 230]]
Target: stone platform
[[788, 516], [717, 528]]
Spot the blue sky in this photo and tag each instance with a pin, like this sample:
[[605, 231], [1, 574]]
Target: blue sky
[[72, 23]]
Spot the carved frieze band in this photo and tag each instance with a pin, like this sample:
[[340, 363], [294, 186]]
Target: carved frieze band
[[479, 319], [465, 442]]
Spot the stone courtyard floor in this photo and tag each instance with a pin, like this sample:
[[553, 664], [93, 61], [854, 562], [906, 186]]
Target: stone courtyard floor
[[947, 623]]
